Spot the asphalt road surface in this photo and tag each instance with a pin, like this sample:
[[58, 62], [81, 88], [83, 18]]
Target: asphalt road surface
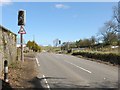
[[66, 71]]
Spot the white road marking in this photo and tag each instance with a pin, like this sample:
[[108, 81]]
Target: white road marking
[[37, 62], [46, 82], [79, 67]]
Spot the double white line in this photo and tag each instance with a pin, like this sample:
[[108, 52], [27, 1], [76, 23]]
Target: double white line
[[43, 75], [46, 82], [37, 62]]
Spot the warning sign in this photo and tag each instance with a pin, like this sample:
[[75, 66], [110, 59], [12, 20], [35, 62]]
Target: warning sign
[[22, 30]]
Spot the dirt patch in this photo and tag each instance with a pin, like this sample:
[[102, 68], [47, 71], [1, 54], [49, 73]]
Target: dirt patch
[[23, 74]]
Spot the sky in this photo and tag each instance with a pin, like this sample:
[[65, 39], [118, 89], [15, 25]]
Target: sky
[[47, 21]]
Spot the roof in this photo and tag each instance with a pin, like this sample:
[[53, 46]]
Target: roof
[[7, 30]]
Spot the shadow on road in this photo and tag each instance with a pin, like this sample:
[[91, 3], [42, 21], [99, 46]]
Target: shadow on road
[[5, 86], [36, 82], [57, 84], [54, 78], [105, 84]]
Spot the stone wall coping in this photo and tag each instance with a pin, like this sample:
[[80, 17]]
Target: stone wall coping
[[5, 29]]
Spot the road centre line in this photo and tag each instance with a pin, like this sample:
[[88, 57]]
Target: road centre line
[[37, 62], [46, 82], [79, 67]]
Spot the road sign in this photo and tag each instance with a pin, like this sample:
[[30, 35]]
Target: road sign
[[22, 30]]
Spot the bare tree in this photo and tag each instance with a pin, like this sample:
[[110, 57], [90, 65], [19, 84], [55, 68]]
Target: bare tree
[[116, 15], [108, 32]]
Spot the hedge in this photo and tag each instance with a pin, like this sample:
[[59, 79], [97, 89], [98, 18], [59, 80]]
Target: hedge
[[107, 57]]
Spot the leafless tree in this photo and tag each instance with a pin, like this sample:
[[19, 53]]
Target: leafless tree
[[108, 32], [116, 11], [116, 15]]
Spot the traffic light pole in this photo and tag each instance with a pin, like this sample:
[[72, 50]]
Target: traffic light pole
[[21, 23], [22, 56]]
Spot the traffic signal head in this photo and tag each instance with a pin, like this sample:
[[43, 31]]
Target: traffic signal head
[[21, 18], [59, 41]]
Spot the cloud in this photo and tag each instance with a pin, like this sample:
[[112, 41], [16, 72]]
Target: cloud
[[5, 2], [61, 6]]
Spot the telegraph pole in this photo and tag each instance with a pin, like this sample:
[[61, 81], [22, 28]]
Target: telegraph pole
[[21, 23]]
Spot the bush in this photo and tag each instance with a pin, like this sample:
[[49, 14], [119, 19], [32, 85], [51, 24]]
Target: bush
[[69, 51], [107, 57]]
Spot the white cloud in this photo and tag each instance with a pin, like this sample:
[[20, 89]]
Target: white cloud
[[61, 6], [5, 2]]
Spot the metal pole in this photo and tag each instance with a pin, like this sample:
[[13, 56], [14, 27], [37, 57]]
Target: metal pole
[[22, 57], [6, 71]]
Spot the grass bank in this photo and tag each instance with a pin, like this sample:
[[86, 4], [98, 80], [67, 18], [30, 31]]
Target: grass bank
[[106, 57]]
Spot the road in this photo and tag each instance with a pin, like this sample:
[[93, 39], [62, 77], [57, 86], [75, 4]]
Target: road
[[66, 71]]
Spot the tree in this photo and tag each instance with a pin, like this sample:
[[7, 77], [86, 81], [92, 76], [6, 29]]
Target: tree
[[64, 46], [33, 46], [111, 38], [108, 32], [116, 11], [29, 44], [78, 43], [85, 42], [93, 40]]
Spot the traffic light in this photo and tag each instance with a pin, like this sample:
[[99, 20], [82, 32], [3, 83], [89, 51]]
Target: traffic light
[[21, 18], [59, 41]]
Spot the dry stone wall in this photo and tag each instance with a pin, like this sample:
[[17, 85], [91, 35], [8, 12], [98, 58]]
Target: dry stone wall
[[8, 50]]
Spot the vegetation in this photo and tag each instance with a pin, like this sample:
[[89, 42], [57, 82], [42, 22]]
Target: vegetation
[[51, 49], [32, 45], [15, 64], [107, 57]]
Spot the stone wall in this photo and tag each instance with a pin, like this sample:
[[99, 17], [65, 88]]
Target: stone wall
[[8, 50]]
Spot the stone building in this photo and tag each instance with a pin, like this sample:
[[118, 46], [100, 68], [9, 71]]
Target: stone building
[[8, 50]]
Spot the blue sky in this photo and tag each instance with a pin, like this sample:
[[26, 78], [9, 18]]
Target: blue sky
[[50, 20]]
